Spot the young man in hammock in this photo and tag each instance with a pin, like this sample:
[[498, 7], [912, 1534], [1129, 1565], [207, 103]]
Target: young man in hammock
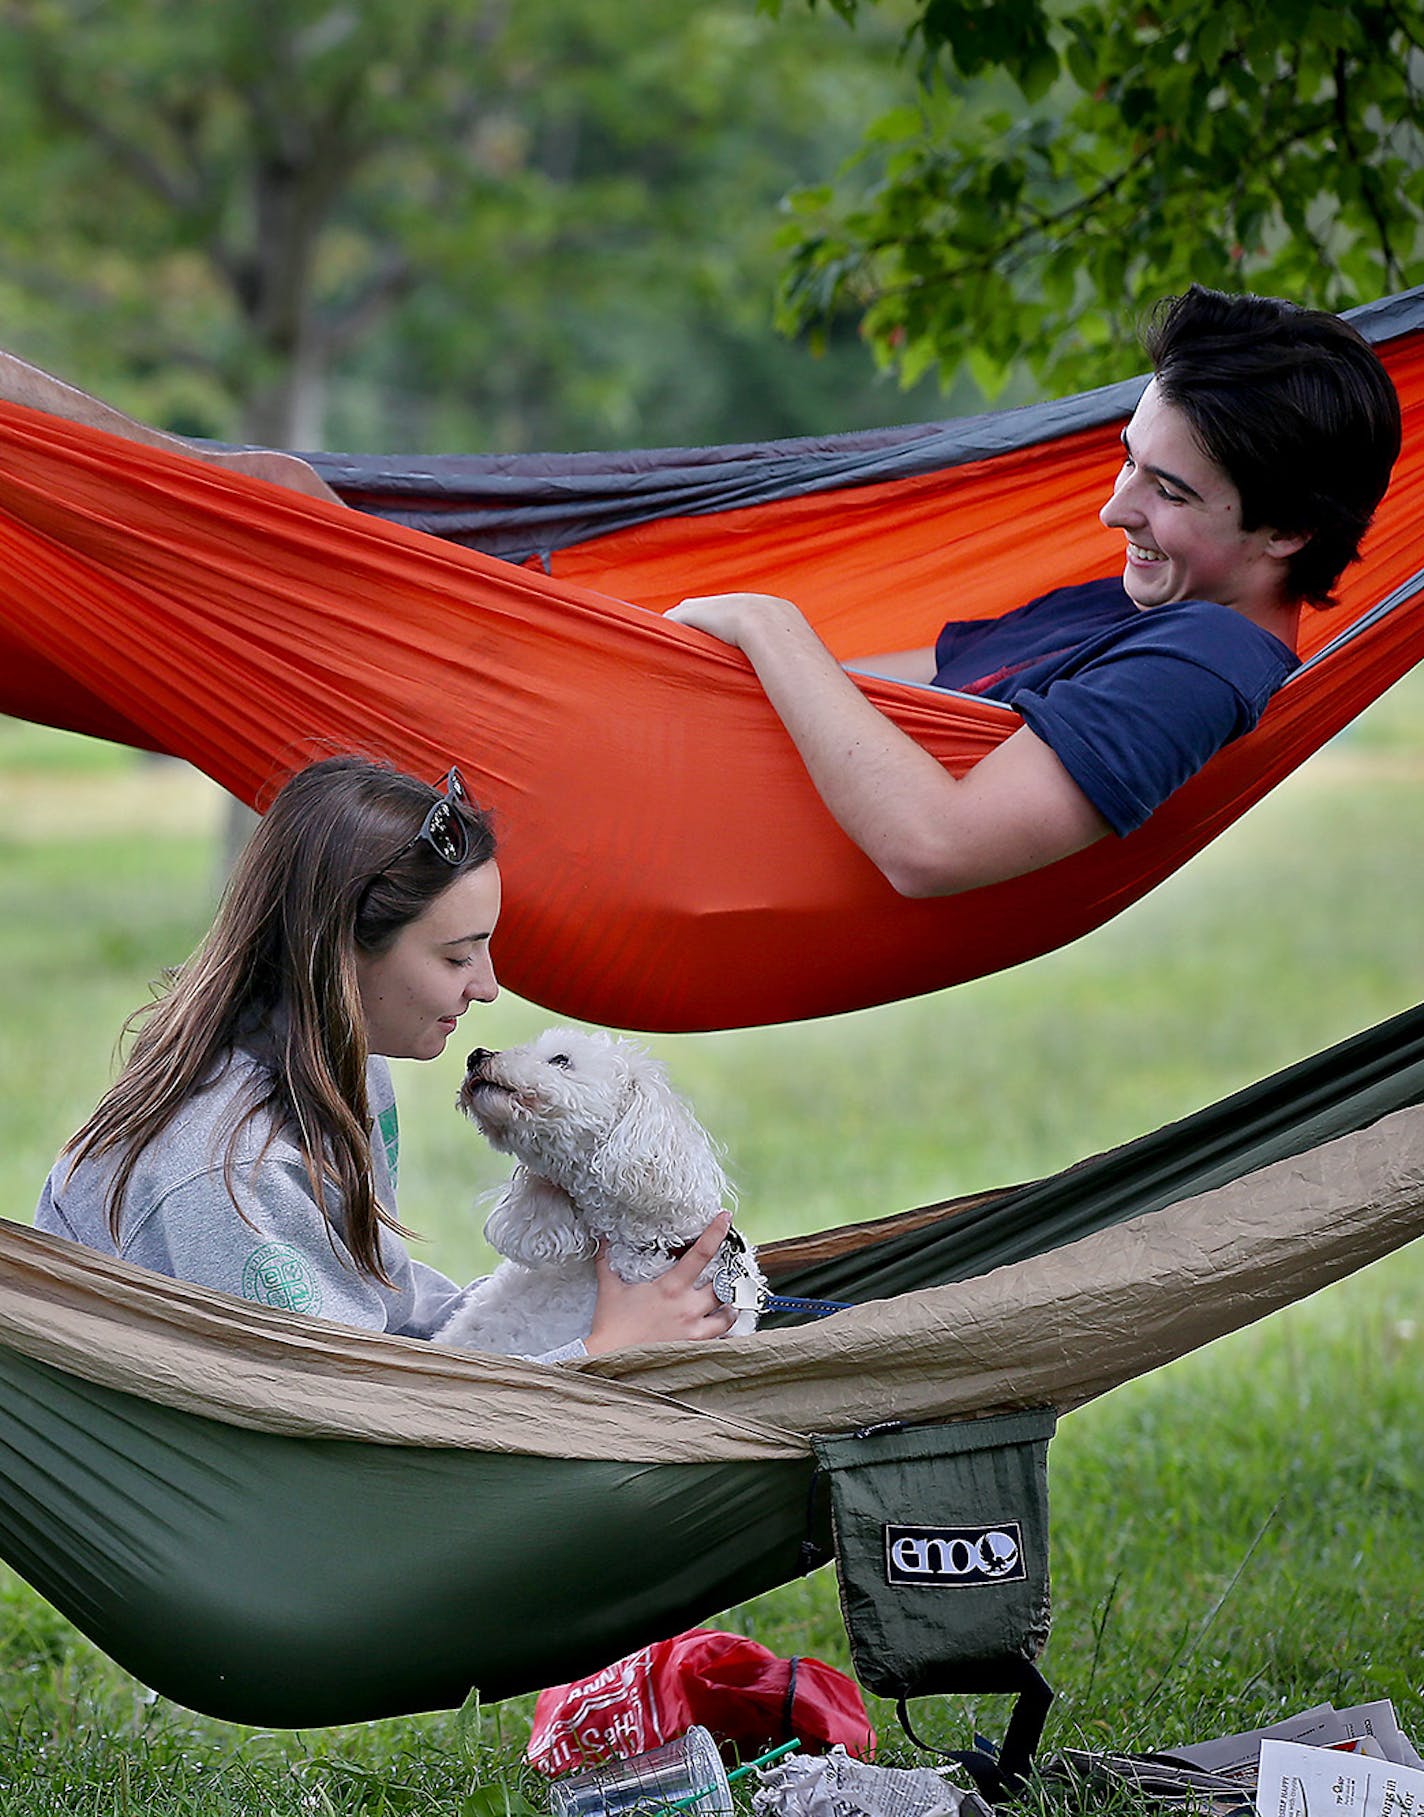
[[1251, 469]]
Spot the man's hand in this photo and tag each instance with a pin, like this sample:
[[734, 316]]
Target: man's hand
[[737, 618]]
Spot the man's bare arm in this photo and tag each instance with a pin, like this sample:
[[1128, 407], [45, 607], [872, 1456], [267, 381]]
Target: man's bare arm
[[930, 833], [21, 383]]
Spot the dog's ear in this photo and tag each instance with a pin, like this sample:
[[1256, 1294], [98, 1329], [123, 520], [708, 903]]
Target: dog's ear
[[658, 1158], [535, 1223]]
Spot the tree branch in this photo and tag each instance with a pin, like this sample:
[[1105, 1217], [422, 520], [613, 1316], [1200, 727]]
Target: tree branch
[[992, 258], [343, 327], [1402, 26], [66, 107], [1368, 188]]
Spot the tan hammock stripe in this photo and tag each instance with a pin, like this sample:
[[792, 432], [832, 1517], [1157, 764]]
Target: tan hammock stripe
[[1054, 1330]]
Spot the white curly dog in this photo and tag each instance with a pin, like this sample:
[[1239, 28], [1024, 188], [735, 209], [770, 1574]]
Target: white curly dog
[[608, 1154]]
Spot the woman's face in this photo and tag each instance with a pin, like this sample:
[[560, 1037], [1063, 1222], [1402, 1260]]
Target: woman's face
[[414, 993]]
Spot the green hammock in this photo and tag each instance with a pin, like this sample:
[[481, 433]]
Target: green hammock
[[280, 1521]]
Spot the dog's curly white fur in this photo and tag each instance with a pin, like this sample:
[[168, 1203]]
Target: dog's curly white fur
[[608, 1154]]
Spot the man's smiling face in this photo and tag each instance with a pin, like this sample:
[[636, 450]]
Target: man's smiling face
[[1181, 516]]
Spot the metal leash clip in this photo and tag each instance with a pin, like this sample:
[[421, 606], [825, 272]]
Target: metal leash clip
[[735, 1285], [733, 1282]]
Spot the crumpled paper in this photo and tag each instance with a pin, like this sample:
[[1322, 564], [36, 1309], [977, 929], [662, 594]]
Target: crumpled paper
[[835, 1785]]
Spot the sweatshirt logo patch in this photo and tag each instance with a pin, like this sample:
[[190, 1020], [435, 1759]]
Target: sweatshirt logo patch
[[389, 1127], [278, 1275]]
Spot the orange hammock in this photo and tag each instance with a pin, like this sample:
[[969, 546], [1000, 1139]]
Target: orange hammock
[[668, 864]]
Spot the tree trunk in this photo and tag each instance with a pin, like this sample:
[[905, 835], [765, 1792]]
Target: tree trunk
[[288, 412]]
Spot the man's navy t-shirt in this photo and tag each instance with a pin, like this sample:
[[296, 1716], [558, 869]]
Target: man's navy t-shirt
[[1131, 702]]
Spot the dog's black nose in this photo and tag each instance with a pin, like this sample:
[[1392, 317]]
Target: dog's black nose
[[476, 1059]]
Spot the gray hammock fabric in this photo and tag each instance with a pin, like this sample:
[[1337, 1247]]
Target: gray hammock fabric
[[524, 507], [281, 1521]]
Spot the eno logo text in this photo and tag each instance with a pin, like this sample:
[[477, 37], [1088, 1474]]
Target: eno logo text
[[954, 1557]]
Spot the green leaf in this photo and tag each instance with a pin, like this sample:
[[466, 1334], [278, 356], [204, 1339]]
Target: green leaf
[[905, 122], [1040, 71], [809, 201]]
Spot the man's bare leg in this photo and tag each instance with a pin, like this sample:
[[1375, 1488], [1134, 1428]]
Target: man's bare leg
[[21, 383]]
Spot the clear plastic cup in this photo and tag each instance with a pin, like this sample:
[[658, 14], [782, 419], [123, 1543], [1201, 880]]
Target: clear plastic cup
[[685, 1775]]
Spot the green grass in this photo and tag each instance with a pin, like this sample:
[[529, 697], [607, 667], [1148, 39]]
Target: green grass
[[1235, 1537]]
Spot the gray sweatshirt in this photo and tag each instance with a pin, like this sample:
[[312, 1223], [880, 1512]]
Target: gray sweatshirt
[[180, 1219]]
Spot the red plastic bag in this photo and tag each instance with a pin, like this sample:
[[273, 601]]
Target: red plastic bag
[[748, 1697]]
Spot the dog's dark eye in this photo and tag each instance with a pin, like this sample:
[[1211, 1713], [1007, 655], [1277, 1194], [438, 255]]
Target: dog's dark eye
[[560, 1060]]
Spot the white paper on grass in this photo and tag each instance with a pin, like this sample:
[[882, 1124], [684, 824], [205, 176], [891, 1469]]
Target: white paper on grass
[[1302, 1781], [1236, 1755], [1377, 1722], [1371, 1726]]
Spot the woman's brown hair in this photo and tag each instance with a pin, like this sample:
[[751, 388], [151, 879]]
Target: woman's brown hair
[[336, 865]]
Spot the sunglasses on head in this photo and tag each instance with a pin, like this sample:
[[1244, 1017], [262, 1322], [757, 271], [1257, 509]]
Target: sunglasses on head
[[443, 829]]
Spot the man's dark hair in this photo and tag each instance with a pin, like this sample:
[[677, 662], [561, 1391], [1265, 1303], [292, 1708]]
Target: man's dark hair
[[1294, 406]]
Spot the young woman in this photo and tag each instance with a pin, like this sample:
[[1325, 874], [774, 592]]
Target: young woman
[[249, 1142]]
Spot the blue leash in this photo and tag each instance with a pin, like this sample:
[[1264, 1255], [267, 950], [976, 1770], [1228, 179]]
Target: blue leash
[[815, 1309]]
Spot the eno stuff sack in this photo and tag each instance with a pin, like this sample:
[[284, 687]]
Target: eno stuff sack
[[941, 1548]]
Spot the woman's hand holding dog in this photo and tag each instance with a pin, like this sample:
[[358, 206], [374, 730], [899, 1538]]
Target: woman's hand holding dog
[[671, 1307]]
